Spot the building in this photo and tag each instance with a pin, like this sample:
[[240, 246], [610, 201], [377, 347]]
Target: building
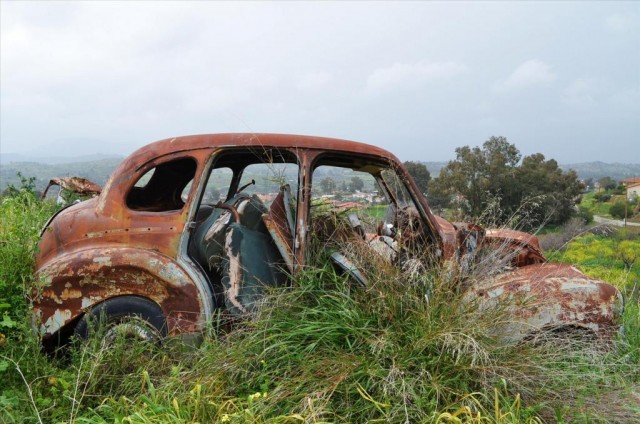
[[633, 191], [630, 181]]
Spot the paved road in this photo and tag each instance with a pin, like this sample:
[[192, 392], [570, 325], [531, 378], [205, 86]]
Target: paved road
[[615, 222]]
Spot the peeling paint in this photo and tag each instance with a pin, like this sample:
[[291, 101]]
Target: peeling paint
[[171, 272], [103, 260], [54, 322], [235, 274]]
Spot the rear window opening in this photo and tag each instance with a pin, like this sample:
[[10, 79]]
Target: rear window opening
[[161, 188]]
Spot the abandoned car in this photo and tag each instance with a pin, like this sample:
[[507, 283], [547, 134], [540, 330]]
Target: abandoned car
[[192, 225]]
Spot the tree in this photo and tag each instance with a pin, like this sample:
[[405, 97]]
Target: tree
[[356, 184], [419, 173], [588, 183], [327, 185], [537, 189], [607, 183], [551, 194], [479, 176]]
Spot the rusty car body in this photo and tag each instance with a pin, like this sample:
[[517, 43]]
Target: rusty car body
[[79, 187], [182, 229]]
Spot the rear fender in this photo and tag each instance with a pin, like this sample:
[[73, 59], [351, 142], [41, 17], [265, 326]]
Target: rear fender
[[74, 282]]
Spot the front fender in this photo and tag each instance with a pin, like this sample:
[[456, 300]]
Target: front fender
[[550, 295], [71, 283]]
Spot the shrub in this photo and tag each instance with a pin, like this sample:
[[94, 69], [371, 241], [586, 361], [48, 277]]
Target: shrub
[[620, 190], [602, 197], [617, 210], [558, 240], [22, 216], [585, 214]]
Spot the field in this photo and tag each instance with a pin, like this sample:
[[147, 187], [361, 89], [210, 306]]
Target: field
[[323, 351]]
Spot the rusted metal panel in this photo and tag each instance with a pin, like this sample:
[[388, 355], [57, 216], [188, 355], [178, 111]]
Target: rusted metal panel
[[525, 239], [520, 248], [78, 185], [79, 227], [74, 282], [551, 295], [282, 243]]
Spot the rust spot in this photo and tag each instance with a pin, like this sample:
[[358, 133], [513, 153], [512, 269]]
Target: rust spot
[[78, 185]]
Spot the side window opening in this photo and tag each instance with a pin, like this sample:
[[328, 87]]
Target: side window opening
[[265, 180], [216, 190], [397, 188], [217, 187], [161, 189], [363, 218], [242, 237], [344, 200]]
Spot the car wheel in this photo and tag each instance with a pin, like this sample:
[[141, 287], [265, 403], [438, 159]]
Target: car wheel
[[128, 317]]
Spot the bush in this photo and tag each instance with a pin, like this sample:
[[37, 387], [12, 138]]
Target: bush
[[585, 214], [558, 240], [617, 210], [602, 197], [22, 216], [620, 190]]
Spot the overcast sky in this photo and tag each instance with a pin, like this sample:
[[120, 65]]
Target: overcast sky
[[420, 79]]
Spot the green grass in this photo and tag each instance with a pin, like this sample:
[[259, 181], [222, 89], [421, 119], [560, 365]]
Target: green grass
[[612, 259], [324, 351], [597, 208]]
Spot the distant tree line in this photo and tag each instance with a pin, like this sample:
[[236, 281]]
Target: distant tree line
[[532, 190]]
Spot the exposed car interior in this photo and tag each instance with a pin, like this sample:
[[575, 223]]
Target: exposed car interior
[[243, 232]]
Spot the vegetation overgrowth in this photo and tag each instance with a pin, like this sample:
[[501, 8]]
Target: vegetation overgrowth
[[608, 204], [401, 350]]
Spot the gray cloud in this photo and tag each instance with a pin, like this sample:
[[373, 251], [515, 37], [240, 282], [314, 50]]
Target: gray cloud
[[417, 78]]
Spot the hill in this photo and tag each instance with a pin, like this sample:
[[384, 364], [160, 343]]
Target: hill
[[595, 170], [97, 171]]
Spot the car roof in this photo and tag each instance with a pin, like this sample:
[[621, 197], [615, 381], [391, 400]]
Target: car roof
[[210, 141]]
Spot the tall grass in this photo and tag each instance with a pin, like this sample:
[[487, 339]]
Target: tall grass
[[22, 216], [402, 349]]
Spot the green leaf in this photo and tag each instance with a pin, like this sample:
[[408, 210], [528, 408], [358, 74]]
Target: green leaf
[[7, 322]]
